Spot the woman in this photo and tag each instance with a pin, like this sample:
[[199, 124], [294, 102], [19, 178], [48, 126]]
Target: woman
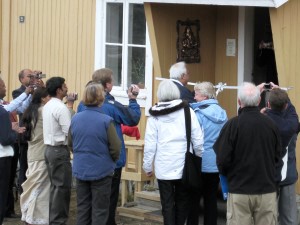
[[211, 118], [166, 145], [34, 200], [96, 148]]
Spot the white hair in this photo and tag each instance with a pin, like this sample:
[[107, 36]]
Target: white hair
[[177, 70], [248, 94], [167, 91], [206, 89]]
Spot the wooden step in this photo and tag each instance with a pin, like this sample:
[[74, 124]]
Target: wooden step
[[148, 198], [141, 212]]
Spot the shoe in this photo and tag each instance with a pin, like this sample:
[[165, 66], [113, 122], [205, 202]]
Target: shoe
[[13, 215]]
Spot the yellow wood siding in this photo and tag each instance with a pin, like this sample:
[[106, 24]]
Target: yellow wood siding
[[57, 37], [226, 67], [216, 25], [286, 35]]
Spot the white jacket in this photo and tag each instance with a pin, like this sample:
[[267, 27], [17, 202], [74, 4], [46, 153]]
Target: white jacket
[[165, 140]]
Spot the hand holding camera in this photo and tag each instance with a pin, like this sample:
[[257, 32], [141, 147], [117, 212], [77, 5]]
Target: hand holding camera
[[133, 91], [72, 97], [36, 79]]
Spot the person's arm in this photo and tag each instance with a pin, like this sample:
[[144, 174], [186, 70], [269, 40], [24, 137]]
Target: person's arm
[[17, 103], [24, 105], [64, 119], [197, 137], [70, 140], [114, 142], [150, 146], [224, 147], [7, 135], [130, 115]]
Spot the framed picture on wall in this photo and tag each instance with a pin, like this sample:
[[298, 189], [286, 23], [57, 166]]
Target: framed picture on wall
[[188, 42]]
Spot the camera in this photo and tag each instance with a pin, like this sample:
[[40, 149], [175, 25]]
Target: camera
[[76, 96], [267, 86], [38, 75], [135, 93]]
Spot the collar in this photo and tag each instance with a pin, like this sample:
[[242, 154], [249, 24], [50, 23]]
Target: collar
[[164, 108], [177, 81]]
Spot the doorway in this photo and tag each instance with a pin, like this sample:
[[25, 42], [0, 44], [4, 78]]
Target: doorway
[[264, 63]]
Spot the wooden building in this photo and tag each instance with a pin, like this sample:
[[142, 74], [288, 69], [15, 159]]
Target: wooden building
[[138, 39]]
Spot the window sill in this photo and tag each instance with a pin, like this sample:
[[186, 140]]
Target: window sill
[[122, 97]]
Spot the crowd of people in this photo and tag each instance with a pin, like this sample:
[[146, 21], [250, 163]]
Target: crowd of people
[[255, 151]]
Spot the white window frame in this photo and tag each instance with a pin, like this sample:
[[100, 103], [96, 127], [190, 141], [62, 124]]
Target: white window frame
[[145, 96]]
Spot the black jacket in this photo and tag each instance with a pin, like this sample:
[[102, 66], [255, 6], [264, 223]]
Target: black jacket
[[287, 123], [7, 135], [247, 150], [185, 93]]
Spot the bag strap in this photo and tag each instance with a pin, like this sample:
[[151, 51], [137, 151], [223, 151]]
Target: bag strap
[[187, 114]]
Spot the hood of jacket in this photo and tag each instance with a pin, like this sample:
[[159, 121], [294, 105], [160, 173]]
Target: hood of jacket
[[210, 108], [164, 110]]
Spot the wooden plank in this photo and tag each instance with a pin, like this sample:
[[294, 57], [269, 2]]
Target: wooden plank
[[150, 195]]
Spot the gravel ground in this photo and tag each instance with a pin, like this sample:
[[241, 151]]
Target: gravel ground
[[72, 216], [120, 219]]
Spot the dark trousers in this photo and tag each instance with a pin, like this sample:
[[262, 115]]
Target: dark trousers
[[23, 148], [174, 198], [5, 167], [10, 207], [60, 173], [209, 193], [93, 201], [114, 196]]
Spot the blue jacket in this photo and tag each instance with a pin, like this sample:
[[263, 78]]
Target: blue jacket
[[121, 114], [287, 123], [211, 118], [92, 159]]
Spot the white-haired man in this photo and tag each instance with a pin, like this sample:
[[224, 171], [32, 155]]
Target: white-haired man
[[248, 150], [180, 76]]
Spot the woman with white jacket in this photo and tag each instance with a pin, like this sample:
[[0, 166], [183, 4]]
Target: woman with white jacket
[[166, 144]]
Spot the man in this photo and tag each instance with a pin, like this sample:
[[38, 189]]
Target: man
[[24, 78], [7, 139], [247, 150], [129, 116], [180, 76], [56, 123], [283, 113]]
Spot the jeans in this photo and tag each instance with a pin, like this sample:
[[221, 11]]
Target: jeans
[[287, 206], [93, 201], [60, 173], [114, 196], [174, 198]]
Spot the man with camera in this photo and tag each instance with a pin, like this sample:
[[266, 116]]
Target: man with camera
[[56, 123], [283, 113]]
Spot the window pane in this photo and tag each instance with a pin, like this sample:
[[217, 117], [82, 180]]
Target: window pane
[[114, 22], [136, 66], [113, 61], [137, 24]]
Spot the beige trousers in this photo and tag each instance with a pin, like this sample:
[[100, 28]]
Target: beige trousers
[[252, 209]]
